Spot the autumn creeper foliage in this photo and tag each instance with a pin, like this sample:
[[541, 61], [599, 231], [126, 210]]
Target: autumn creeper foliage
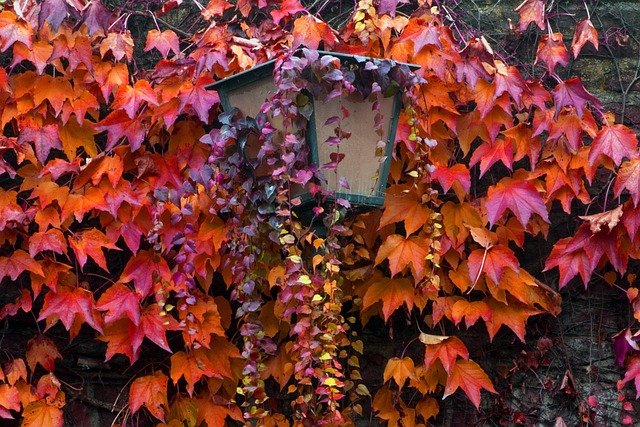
[[128, 213]]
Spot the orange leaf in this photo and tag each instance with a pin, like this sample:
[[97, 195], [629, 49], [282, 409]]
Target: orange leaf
[[514, 316], [280, 366], [9, 400], [407, 206], [120, 44], [447, 349], [470, 311], [192, 366], [13, 29], [130, 98], [150, 391], [469, 376], [400, 370], [585, 32], [56, 90], [41, 414], [90, 243], [310, 31], [392, 292], [42, 350], [402, 252]]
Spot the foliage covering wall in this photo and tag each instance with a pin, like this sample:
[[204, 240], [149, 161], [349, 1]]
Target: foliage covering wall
[[129, 218]]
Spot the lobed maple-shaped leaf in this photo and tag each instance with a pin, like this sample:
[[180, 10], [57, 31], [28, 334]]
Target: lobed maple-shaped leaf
[[286, 8], [51, 240], [56, 90], [42, 351], [54, 12], [24, 302], [492, 261], [119, 44], [118, 124], [531, 11], [192, 367], [448, 176], [471, 378], [90, 243], [68, 305], [145, 269], [402, 252], [154, 324], [280, 366], [44, 138], [392, 292], [150, 391], [552, 51], [130, 98], [41, 414], [572, 93], [629, 178], [633, 373], [19, 261], [309, 31], [9, 400], [446, 349], [575, 255], [471, 312], [489, 153], [514, 315], [163, 41], [616, 142], [198, 98], [584, 32], [118, 300], [519, 196], [404, 203], [400, 370], [14, 29]]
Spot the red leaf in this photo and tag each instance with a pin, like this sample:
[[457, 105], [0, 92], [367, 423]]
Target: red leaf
[[520, 197], [629, 178], [447, 349], [287, 8], [120, 45], [402, 252], [552, 51], [51, 240], [469, 376], [531, 11], [145, 269], [447, 176], [198, 98], [616, 142], [154, 326], [163, 42], [118, 124], [309, 31], [90, 243], [69, 304], [570, 256], [44, 138], [633, 373], [18, 262], [118, 301], [571, 92], [150, 391], [43, 351], [489, 153], [585, 32]]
